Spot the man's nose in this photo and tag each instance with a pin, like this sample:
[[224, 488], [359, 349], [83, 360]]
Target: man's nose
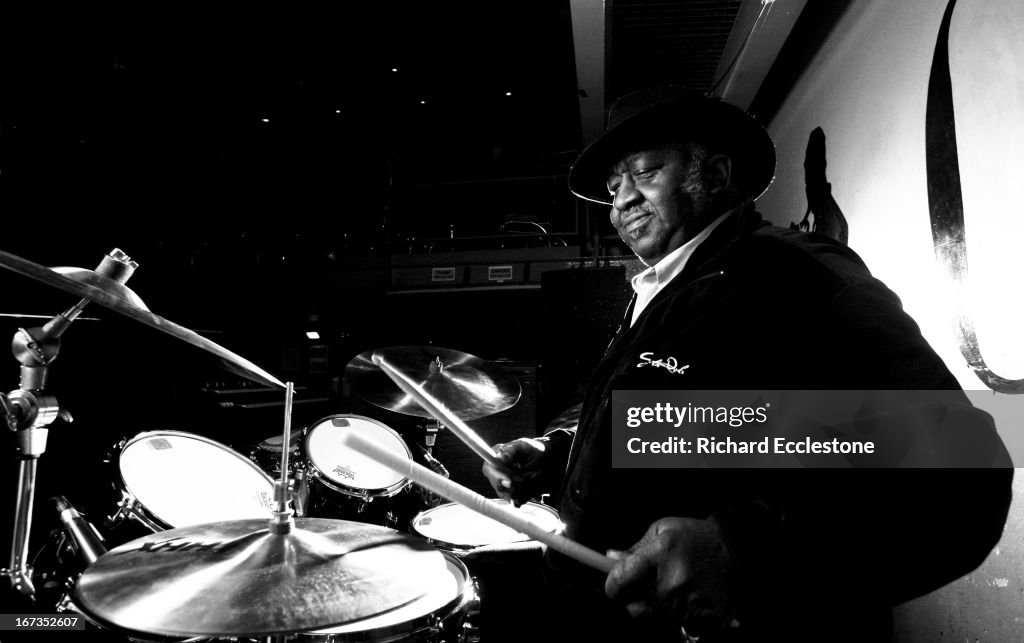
[[626, 194]]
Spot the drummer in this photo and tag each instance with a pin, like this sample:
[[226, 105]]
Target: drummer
[[742, 554]]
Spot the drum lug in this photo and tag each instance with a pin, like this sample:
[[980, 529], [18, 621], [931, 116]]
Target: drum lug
[[128, 508], [470, 633], [436, 626]]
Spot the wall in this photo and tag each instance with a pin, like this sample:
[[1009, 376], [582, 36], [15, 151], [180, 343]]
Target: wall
[[867, 89]]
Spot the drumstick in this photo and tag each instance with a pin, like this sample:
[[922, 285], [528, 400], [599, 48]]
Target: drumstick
[[441, 413], [472, 500]]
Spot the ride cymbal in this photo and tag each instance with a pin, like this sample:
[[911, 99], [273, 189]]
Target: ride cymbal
[[470, 387]]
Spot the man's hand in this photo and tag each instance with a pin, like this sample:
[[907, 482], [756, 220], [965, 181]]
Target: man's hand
[[680, 572], [520, 479]]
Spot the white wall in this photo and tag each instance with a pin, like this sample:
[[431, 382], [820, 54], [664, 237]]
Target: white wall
[[867, 89]]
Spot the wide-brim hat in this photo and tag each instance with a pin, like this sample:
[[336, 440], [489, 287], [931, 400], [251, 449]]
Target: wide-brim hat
[[675, 114]]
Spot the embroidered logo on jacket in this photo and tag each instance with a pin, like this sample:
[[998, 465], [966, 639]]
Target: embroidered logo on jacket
[[671, 364]]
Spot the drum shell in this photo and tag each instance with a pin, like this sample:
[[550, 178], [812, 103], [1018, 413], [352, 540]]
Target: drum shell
[[393, 511], [452, 622]]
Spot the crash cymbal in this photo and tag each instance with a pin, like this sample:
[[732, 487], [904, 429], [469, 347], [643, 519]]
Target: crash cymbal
[[236, 579], [119, 298], [469, 386]]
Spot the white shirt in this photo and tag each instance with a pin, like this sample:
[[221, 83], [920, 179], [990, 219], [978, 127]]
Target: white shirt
[[650, 282]]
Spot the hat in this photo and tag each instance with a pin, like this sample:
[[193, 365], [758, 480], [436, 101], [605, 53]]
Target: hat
[[674, 114]]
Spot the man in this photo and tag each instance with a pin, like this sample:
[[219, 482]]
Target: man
[[745, 554]]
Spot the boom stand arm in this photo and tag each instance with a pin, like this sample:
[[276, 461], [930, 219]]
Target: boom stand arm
[[28, 411]]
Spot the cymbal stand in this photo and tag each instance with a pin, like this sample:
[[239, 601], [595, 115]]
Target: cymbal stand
[[431, 429], [282, 521], [29, 410], [430, 437]]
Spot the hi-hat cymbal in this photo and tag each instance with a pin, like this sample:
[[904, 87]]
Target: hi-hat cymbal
[[119, 298], [236, 579], [469, 386]]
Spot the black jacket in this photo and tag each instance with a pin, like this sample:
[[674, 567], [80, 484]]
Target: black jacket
[[822, 554]]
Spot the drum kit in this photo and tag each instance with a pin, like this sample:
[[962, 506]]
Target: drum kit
[[324, 550]]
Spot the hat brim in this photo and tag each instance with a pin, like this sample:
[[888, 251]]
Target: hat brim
[[722, 124]]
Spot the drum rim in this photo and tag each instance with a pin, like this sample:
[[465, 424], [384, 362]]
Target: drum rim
[[461, 547], [466, 594], [129, 495], [356, 492]]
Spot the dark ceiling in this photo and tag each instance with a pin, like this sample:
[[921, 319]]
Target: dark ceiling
[[653, 42], [350, 125], [190, 125]]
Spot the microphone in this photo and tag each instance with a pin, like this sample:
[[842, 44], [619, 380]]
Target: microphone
[[87, 542]]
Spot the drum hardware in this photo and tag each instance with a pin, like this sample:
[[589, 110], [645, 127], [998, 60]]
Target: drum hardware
[[29, 410], [129, 508], [299, 490], [428, 497]]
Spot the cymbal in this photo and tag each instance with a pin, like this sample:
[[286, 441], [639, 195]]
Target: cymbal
[[567, 419], [469, 386], [237, 579], [119, 298]]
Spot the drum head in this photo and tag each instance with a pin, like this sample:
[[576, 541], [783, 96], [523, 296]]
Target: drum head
[[347, 470], [453, 526], [182, 479], [448, 592]]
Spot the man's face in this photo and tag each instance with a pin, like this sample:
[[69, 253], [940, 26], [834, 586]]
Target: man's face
[[659, 200]]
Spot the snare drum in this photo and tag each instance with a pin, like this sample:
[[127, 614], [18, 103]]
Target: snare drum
[[445, 613], [170, 479], [455, 528], [344, 482]]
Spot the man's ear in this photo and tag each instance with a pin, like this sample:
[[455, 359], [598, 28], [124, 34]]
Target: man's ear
[[719, 173]]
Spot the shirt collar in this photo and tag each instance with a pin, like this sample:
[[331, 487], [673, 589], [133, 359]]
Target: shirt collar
[[673, 263]]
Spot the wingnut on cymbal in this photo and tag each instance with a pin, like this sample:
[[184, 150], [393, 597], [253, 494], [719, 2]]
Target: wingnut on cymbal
[[470, 387]]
